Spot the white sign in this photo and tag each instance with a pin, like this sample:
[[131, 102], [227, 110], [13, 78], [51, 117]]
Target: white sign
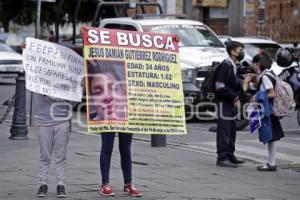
[[249, 8], [53, 70], [254, 118]]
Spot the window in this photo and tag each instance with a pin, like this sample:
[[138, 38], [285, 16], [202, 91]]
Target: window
[[253, 48], [190, 35], [125, 27]]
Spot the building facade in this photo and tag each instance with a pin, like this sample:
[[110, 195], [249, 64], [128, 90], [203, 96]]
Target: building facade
[[277, 19]]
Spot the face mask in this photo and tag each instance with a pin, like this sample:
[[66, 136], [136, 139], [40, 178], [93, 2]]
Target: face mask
[[240, 56]]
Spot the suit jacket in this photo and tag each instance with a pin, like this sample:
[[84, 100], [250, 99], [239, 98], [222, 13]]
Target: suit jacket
[[226, 83]]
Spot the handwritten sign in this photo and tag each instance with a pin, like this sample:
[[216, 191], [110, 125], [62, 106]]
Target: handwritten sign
[[53, 70]]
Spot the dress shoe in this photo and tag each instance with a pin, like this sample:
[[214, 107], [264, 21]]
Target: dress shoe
[[226, 163], [267, 168], [236, 160]]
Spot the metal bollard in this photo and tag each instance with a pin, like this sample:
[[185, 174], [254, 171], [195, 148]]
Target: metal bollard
[[158, 140], [19, 127]]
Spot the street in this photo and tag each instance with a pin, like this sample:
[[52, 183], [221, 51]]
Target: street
[[144, 65], [199, 139], [185, 169]]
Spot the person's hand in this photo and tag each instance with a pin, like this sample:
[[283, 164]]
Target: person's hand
[[23, 45], [81, 32], [253, 76], [253, 99], [82, 82], [245, 83], [237, 104], [247, 78]]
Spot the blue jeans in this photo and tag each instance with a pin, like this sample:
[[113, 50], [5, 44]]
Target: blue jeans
[[125, 140]]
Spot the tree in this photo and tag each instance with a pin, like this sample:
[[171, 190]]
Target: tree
[[9, 10], [23, 12]]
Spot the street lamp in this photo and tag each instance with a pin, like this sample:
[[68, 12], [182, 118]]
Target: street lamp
[[19, 127]]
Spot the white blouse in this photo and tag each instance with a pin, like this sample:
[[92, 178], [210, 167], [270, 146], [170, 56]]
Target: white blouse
[[266, 82]]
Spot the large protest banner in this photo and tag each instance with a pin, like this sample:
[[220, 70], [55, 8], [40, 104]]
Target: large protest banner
[[53, 70], [134, 82]]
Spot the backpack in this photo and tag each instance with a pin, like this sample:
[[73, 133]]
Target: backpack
[[284, 103], [208, 84]]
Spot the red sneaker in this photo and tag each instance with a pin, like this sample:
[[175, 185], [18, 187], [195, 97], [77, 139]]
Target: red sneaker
[[131, 190], [106, 190]]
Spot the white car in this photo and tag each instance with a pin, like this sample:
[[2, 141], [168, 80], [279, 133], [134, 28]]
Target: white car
[[10, 62], [199, 46]]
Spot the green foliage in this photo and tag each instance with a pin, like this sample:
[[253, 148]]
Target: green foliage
[[26, 16], [8, 10], [23, 12]]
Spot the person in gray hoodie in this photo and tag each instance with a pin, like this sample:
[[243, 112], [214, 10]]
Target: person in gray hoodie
[[52, 118]]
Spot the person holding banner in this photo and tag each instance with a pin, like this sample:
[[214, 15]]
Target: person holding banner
[[261, 64], [52, 118], [52, 113], [107, 90]]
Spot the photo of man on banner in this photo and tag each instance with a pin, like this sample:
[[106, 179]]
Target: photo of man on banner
[[107, 90]]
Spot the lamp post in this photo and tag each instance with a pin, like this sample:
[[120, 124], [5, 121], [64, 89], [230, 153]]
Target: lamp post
[[19, 127]]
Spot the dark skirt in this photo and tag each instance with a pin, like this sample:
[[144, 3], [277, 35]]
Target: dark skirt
[[277, 131]]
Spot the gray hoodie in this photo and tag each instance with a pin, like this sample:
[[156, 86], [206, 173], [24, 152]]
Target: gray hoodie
[[50, 110]]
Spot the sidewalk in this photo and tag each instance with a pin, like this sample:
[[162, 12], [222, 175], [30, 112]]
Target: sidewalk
[[160, 173]]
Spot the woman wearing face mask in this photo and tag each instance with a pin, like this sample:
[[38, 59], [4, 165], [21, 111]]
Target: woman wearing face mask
[[108, 98], [265, 84]]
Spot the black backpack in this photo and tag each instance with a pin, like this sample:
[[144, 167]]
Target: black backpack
[[208, 85]]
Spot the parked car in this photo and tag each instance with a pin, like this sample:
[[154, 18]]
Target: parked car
[[10, 62], [255, 43], [253, 46], [198, 48]]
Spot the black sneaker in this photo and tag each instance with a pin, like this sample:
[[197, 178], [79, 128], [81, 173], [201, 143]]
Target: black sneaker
[[267, 168], [61, 191], [226, 163], [236, 160], [42, 191]]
